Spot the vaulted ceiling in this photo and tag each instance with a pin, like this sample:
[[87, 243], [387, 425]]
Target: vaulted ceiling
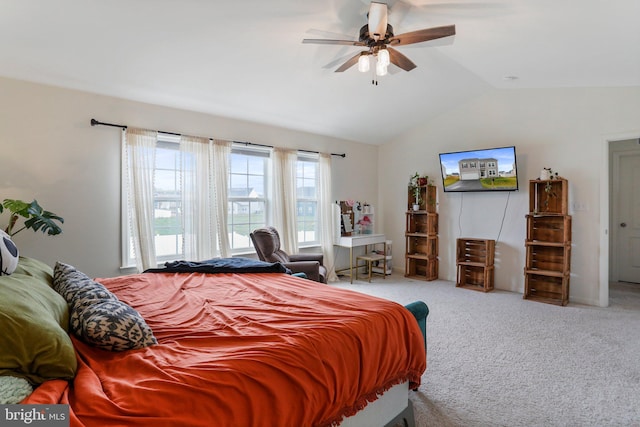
[[245, 59]]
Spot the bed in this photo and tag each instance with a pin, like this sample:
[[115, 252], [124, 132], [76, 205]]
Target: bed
[[229, 349]]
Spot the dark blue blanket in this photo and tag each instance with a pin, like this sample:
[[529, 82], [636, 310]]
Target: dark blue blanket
[[221, 265]]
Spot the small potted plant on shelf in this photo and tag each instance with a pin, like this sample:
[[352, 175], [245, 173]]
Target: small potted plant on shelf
[[547, 174], [414, 184], [416, 202]]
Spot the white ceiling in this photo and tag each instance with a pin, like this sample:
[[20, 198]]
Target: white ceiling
[[244, 59]]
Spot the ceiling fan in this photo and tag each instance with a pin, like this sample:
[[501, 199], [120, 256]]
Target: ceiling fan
[[377, 35]]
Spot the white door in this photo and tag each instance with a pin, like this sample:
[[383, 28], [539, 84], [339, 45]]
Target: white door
[[628, 216]]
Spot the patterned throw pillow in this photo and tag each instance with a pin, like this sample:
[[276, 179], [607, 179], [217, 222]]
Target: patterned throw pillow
[[75, 285], [97, 316], [112, 325]]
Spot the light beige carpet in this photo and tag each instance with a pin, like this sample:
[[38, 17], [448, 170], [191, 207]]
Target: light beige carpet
[[495, 359]]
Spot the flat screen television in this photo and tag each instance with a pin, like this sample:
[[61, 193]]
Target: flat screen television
[[489, 169]]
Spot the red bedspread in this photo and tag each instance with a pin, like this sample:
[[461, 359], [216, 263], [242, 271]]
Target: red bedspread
[[242, 350]]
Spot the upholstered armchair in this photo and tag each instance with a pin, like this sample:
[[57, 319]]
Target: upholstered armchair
[[267, 244]]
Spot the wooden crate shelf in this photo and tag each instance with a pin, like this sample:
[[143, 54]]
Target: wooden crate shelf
[[477, 278], [555, 259], [548, 244], [549, 228], [421, 235], [549, 196], [421, 267], [423, 244], [474, 264], [428, 194], [550, 289], [422, 223]]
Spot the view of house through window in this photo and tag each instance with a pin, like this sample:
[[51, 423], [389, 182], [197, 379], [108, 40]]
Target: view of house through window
[[247, 195]]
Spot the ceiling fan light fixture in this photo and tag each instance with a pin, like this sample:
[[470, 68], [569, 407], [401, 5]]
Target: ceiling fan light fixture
[[383, 57], [364, 63], [381, 69]]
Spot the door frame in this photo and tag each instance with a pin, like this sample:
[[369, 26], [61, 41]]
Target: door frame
[[606, 192], [618, 150]]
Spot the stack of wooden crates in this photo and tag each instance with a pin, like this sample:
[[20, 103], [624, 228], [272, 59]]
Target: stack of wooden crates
[[421, 235], [548, 242], [474, 264]]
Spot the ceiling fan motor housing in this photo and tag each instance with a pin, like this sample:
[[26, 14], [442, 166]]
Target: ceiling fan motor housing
[[366, 38]]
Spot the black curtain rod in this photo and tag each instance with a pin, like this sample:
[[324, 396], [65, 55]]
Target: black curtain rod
[[95, 122]]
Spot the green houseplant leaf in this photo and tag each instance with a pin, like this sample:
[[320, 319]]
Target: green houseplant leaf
[[35, 217]]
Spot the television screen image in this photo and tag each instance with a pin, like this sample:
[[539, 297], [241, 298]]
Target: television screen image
[[490, 169]]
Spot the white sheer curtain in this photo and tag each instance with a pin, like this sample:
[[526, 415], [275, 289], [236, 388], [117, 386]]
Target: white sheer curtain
[[326, 215], [220, 160], [285, 197], [205, 173], [198, 214], [140, 151]]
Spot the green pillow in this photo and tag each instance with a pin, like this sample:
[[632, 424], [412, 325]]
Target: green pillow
[[34, 319], [34, 268]]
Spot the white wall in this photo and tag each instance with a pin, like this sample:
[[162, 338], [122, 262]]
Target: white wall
[[565, 129], [50, 152]]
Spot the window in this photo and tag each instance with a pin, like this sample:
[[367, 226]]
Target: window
[[167, 204], [306, 185], [247, 195]]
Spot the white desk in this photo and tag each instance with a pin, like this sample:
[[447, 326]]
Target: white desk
[[360, 240]]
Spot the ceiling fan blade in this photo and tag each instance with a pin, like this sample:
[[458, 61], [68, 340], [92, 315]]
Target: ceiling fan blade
[[326, 41], [377, 20], [400, 60], [350, 63], [336, 62], [423, 35]]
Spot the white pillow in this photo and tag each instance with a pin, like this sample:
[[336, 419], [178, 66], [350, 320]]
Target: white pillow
[[8, 254]]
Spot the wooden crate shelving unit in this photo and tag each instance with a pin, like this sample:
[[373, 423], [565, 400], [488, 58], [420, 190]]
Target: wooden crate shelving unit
[[474, 263], [421, 235], [428, 194], [549, 196], [548, 244]]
